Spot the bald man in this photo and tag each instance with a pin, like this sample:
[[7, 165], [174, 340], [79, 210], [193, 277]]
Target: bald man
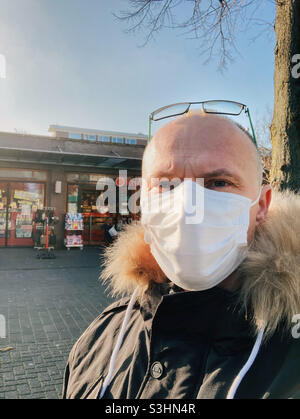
[[213, 306]]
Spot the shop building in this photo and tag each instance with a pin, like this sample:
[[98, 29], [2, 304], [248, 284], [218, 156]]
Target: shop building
[[61, 171]]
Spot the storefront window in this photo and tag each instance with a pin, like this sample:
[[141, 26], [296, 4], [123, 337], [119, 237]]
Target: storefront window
[[130, 141], [19, 202], [83, 198], [25, 200], [75, 136], [117, 140]]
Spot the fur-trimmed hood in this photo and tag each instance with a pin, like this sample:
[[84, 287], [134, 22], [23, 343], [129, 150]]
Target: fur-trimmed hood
[[270, 273]]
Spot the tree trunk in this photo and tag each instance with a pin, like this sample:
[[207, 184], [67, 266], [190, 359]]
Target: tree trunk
[[285, 128]]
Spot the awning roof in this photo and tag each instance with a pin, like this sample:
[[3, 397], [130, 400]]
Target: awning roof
[[68, 159], [48, 150]]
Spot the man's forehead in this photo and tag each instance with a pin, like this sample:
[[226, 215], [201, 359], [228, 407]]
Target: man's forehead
[[202, 166], [201, 143], [196, 132]]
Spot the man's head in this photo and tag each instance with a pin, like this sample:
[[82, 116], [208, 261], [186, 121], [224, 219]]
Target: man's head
[[211, 147]]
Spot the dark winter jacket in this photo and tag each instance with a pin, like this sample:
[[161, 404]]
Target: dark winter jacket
[[194, 344]]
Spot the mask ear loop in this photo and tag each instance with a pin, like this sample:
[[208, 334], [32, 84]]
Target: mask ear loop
[[257, 199], [252, 204]]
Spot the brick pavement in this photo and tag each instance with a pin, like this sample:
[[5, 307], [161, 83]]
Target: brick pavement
[[47, 304]]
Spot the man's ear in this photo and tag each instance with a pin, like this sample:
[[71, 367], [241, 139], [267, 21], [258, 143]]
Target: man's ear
[[264, 203]]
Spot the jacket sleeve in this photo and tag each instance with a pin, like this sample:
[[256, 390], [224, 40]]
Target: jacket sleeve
[[82, 345], [65, 382], [67, 371]]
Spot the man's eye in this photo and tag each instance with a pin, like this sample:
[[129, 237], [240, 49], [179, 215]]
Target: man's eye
[[219, 183]]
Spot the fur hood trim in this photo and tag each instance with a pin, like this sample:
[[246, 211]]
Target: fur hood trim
[[270, 274]]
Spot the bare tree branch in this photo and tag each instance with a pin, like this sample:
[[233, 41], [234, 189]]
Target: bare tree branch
[[214, 23]]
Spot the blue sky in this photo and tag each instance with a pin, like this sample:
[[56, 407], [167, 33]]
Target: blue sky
[[69, 62]]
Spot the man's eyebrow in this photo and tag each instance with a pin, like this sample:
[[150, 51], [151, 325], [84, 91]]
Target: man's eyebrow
[[205, 175], [220, 172]]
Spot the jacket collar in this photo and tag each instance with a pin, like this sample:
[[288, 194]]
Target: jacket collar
[[270, 275], [213, 315]]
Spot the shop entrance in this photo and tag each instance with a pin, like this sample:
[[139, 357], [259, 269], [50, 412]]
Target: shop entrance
[[82, 200], [18, 204], [93, 221]]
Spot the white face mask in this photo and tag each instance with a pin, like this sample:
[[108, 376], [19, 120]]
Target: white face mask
[[196, 256]]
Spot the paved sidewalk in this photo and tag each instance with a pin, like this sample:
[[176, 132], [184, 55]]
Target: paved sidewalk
[[47, 304]]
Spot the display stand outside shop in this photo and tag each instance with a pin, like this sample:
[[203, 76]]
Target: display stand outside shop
[[73, 230]]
